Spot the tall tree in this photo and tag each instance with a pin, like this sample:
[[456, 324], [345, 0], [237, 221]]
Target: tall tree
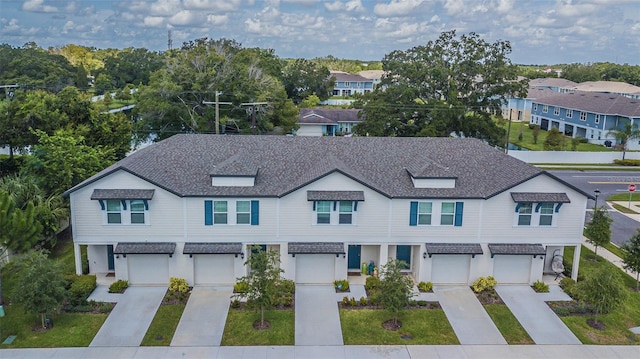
[[631, 258], [624, 134], [19, 230], [41, 285], [450, 85], [598, 230], [395, 288], [63, 160], [303, 78], [263, 280]]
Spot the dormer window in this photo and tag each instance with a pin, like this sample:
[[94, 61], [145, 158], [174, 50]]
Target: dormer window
[[237, 171]]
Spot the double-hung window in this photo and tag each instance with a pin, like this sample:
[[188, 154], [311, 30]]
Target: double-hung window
[[243, 212], [545, 108], [556, 111], [323, 212], [447, 213], [569, 113], [535, 107], [424, 213], [137, 211], [546, 214], [114, 211], [524, 214], [346, 212], [597, 120], [219, 212]]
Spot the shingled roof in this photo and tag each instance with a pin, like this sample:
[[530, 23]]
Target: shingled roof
[[595, 102], [184, 163]]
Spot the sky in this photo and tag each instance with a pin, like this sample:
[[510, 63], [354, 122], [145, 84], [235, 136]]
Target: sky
[[541, 32]]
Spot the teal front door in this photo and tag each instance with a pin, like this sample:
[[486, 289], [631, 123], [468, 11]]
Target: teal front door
[[403, 253], [354, 256], [110, 264]]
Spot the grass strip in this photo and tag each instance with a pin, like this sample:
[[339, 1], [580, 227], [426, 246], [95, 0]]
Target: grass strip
[[507, 324], [423, 326], [163, 326], [239, 328], [623, 209]]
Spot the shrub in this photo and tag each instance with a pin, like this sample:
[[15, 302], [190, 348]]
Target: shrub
[[353, 302], [372, 283], [288, 286], [413, 303], [570, 287], [363, 301], [422, 303], [540, 287], [425, 286], [286, 300], [341, 285], [345, 300], [178, 285], [627, 162], [241, 287], [118, 286], [80, 289], [235, 303], [483, 283]]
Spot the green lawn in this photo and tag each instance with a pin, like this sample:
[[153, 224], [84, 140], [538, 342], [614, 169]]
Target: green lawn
[[239, 328], [527, 139], [635, 196], [164, 325], [624, 209], [617, 322], [507, 324], [426, 326], [69, 329], [614, 249]]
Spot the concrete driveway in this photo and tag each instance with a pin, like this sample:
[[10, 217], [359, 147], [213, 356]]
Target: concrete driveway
[[129, 320], [317, 318], [529, 307], [202, 322], [469, 320]]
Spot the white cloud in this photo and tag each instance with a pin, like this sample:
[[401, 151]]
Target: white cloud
[[397, 8], [153, 21], [454, 7], [217, 19], [38, 6], [212, 5], [186, 18], [355, 5], [334, 6], [69, 25]]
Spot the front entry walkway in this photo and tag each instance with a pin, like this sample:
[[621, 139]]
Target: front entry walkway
[[129, 320], [317, 319], [469, 320], [529, 307], [202, 322]]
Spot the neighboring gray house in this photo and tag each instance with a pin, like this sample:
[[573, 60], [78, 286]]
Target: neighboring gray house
[[321, 121], [193, 206]]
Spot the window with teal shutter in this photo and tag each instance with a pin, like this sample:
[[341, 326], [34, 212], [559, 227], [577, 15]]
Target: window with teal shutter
[[220, 212], [459, 209], [255, 213], [208, 213], [413, 214], [447, 213], [243, 212]]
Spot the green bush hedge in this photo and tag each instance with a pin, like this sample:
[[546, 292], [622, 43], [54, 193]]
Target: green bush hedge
[[540, 287], [80, 289], [483, 283], [341, 285], [627, 162], [118, 286], [372, 283], [425, 286]]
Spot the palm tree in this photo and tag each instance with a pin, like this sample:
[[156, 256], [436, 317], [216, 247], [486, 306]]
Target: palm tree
[[624, 134]]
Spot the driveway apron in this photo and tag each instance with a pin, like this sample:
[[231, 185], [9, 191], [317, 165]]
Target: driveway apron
[[202, 322], [469, 320], [317, 319], [130, 318], [529, 307]]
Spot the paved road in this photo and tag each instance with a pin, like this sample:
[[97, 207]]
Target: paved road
[[608, 183]]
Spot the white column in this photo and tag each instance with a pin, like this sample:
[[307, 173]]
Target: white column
[[576, 262], [78, 258]]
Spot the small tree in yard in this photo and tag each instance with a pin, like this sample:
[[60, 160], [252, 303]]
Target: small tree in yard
[[598, 230], [631, 259], [603, 290], [263, 280], [41, 284], [395, 289]]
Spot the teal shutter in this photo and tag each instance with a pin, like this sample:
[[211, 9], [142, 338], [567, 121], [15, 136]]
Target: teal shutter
[[413, 214], [208, 213], [255, 213], [458, 219]]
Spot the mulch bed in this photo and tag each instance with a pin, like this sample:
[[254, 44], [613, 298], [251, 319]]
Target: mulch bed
[[244, 306], [176, 298], [489, 296], [429, 305], [392, 325]]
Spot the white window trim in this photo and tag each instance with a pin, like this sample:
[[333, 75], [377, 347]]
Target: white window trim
[[545, 108], [583, 116], [597, 119], [425, 213], [556, 111], [334, 214], [125, 215], [535, 217], [568, 113], [436, 214]]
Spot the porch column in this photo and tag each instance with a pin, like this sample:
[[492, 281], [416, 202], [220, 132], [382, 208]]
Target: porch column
[[576, 262], [78, 258]]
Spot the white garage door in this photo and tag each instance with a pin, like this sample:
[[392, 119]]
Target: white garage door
[[148, 268], [315, 268], [214, 269], [450, 269], [512, 269]]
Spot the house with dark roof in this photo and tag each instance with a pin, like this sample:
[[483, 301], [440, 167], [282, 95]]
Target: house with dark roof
[[590, 115], [454, 209], [326, 121]]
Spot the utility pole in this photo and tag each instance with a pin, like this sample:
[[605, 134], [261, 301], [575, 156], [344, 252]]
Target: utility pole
[[506, 146], [217, 103], [253, 109]]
